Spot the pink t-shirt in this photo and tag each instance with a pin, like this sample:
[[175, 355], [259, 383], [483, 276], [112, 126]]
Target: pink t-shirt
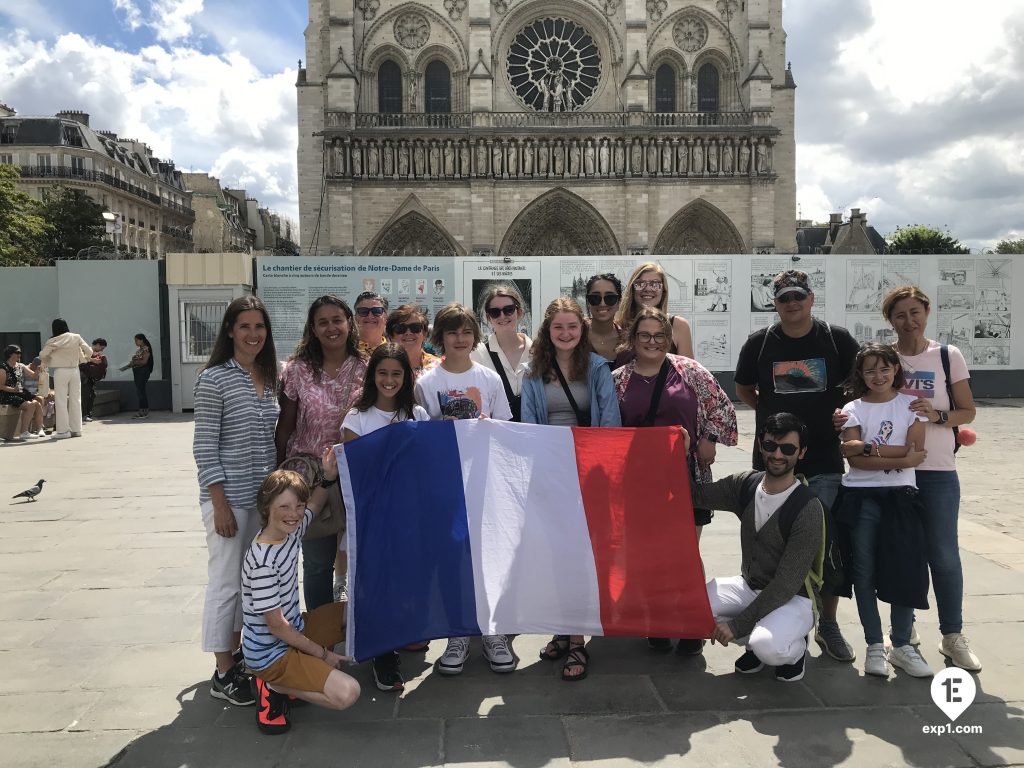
[[322, 404], [925, 378]]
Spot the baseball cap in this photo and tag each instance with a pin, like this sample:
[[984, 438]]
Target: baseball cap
[[791, 281]]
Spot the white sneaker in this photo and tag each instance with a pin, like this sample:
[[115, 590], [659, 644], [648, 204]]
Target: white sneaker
[[876, 661], [909, 659], [61, 435], [26, 436], [41, 433], [498, 654], [955, 647], [454, 656]]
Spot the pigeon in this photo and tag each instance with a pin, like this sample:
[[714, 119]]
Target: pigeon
[[31, 493]]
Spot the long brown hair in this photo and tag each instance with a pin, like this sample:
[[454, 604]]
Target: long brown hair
[[224, 347], [855, 386], [542, 353], [309, 348], [630, 306]]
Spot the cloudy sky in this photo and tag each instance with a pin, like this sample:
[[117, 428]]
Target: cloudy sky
[[912, 110]]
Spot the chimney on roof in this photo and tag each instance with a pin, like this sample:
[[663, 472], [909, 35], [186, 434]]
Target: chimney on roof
[[835, 218], [108, 134], [856, 215], [76, 115]]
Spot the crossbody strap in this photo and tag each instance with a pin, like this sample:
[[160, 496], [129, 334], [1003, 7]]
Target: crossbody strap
[[582, 419], [659, 385], [501, 372]]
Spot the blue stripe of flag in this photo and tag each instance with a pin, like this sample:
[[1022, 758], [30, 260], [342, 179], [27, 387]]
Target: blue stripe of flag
[[413, 579]]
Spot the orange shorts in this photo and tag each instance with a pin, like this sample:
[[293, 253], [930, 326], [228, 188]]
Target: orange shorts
[[298, 670]]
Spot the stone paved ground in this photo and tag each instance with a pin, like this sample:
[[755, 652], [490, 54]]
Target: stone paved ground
[[103, 581]]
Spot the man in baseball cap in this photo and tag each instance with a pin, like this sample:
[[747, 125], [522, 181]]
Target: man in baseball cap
[[792, 281]]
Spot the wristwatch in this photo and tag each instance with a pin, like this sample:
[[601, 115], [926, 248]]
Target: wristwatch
[[711, 437], [867, 449], [325, 483], [943, 417]]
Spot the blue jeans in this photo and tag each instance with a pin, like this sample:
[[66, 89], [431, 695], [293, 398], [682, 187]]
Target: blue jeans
[[940, 498], [825, 487], [318, 570], [864, 542]]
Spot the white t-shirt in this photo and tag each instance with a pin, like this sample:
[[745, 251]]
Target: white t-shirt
[[925, 378], [476, 392], [881, 424], [364, 422], [767, 504]]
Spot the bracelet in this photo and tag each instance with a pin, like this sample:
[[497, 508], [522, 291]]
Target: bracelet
[[878, 451], [323, 657]]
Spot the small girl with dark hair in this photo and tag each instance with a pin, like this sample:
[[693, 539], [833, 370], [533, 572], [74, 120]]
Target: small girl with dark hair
[[883, 440]]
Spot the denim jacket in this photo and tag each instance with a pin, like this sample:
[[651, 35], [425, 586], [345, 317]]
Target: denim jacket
[[604, 405]]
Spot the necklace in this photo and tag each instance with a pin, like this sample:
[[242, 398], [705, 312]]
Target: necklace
[[915, 351], [771, 493]]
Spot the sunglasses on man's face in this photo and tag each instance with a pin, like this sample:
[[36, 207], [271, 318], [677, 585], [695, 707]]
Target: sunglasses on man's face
[[791, 296], [366, 311], [401, 328], [495, 312], [609, 299], [770, 446]]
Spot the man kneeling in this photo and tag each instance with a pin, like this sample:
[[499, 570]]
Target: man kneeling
[[768, 608], [290, 653]]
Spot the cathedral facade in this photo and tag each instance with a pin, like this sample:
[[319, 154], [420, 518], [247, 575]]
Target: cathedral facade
[[546, 127]]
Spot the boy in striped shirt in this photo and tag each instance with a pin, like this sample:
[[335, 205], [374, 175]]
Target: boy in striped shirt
[[290, 652]]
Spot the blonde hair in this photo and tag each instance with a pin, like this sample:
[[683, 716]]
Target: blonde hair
[[628, 309]]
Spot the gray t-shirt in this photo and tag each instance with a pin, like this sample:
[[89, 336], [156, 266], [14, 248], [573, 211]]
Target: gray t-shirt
[[560, 412]]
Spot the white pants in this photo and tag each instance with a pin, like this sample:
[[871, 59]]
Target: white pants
[[67, 399], [778, 638], [222, 609]]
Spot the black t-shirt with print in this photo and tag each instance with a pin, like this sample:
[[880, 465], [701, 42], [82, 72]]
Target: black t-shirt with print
[[803, 376]]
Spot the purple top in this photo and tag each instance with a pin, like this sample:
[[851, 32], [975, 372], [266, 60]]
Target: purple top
[[677, 407]]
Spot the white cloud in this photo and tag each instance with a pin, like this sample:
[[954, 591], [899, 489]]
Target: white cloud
[[172, 19]]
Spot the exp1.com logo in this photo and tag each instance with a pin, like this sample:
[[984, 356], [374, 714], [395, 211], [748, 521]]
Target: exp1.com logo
[[953, 691]]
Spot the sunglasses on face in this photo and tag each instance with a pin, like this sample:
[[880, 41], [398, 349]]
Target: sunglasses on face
[[641, 284], [791, 296], [770, 446], [401, 328], [609, 299], [495, 312], [366, 311]]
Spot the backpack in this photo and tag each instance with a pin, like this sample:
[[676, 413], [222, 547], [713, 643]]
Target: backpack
[[944, 354], [828, 572]]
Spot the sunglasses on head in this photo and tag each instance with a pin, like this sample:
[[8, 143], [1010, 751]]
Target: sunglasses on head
[[770, 446], [791, 296], [365, 311], [609, 299], [400, 328], [508, 310]]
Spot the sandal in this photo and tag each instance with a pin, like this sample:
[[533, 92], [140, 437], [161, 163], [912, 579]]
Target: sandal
[[557, 648], [578, 658]]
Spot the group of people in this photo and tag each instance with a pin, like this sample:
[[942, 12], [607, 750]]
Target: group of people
[[626, 362], [75, 368]]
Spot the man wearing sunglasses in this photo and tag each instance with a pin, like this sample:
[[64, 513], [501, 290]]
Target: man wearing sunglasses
[[768, 607], [798, 366]]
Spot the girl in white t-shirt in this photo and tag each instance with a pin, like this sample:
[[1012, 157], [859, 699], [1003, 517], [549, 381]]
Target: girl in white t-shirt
[[387, 399], [883, 440]]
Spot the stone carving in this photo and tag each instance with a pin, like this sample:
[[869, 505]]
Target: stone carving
[[496, 157], [403, 159], [419, 160], [589, 159], [412, 30], [413, 235], [744, 166], [690, 33], [357, 160], [558, 159], [338, 157], [434, 158], [372, 160], [554, 65], [609, 7], [557, 223], [619, 161], [698, 157], [528, 158], [501, 6], [652, 157], [481, 158], [464, 158], [603, 158], [368, 8], [726, 9], [389, 159], [656, 9], [455, 8], [574, 158], [683, 157], [511, 160], [542, 158], [728, 157], [636, 158], [666, 157], [449, 158], [762, 158], [713, 157]]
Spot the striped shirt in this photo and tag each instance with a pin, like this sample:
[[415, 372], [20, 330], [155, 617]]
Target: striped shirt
[[234, 434], [270, 580]]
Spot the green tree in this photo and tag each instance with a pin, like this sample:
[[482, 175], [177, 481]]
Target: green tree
[[22, 226], [917, 238], [74, 222], [1010, 246]]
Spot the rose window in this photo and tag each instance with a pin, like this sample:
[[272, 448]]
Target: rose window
[[554, 65], [690, 34]]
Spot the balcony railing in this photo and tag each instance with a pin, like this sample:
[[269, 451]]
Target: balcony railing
[[62, 172], [459, 121]]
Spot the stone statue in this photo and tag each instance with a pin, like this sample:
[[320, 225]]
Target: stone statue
[[337, 158], [481, 158], [713, 157], [698, 157], [357, 160], [762, 158], [389, 159], [511, 160], [413, 87], [545, 93], [666, 157], [419, 160], [542, 158], [652, 157], [603, 158], [620, 158], [464, 158], [558, 94], [682, 157], [558, 159], [528, 158], [574, 159], [449, 158], [589, 159], [496, 158], [728, 158], [744, 166], [373, 160], [636, 158], [434, 156], [403, 159]]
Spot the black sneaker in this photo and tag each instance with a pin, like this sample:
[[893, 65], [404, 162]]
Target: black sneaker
[[233, 688], [660, 644], [689, 647], [790, 673], [748, 663], [386, 674], [272, 712]]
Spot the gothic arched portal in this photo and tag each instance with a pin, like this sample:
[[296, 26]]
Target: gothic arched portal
[[699, 227], [413, 235], [559, 223]]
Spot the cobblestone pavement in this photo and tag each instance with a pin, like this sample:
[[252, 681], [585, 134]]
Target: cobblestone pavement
[[103, 582]]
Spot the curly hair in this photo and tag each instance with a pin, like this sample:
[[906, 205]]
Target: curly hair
[[309, 349], [542, 353]]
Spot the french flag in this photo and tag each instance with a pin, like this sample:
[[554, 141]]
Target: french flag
[[489, 527]]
